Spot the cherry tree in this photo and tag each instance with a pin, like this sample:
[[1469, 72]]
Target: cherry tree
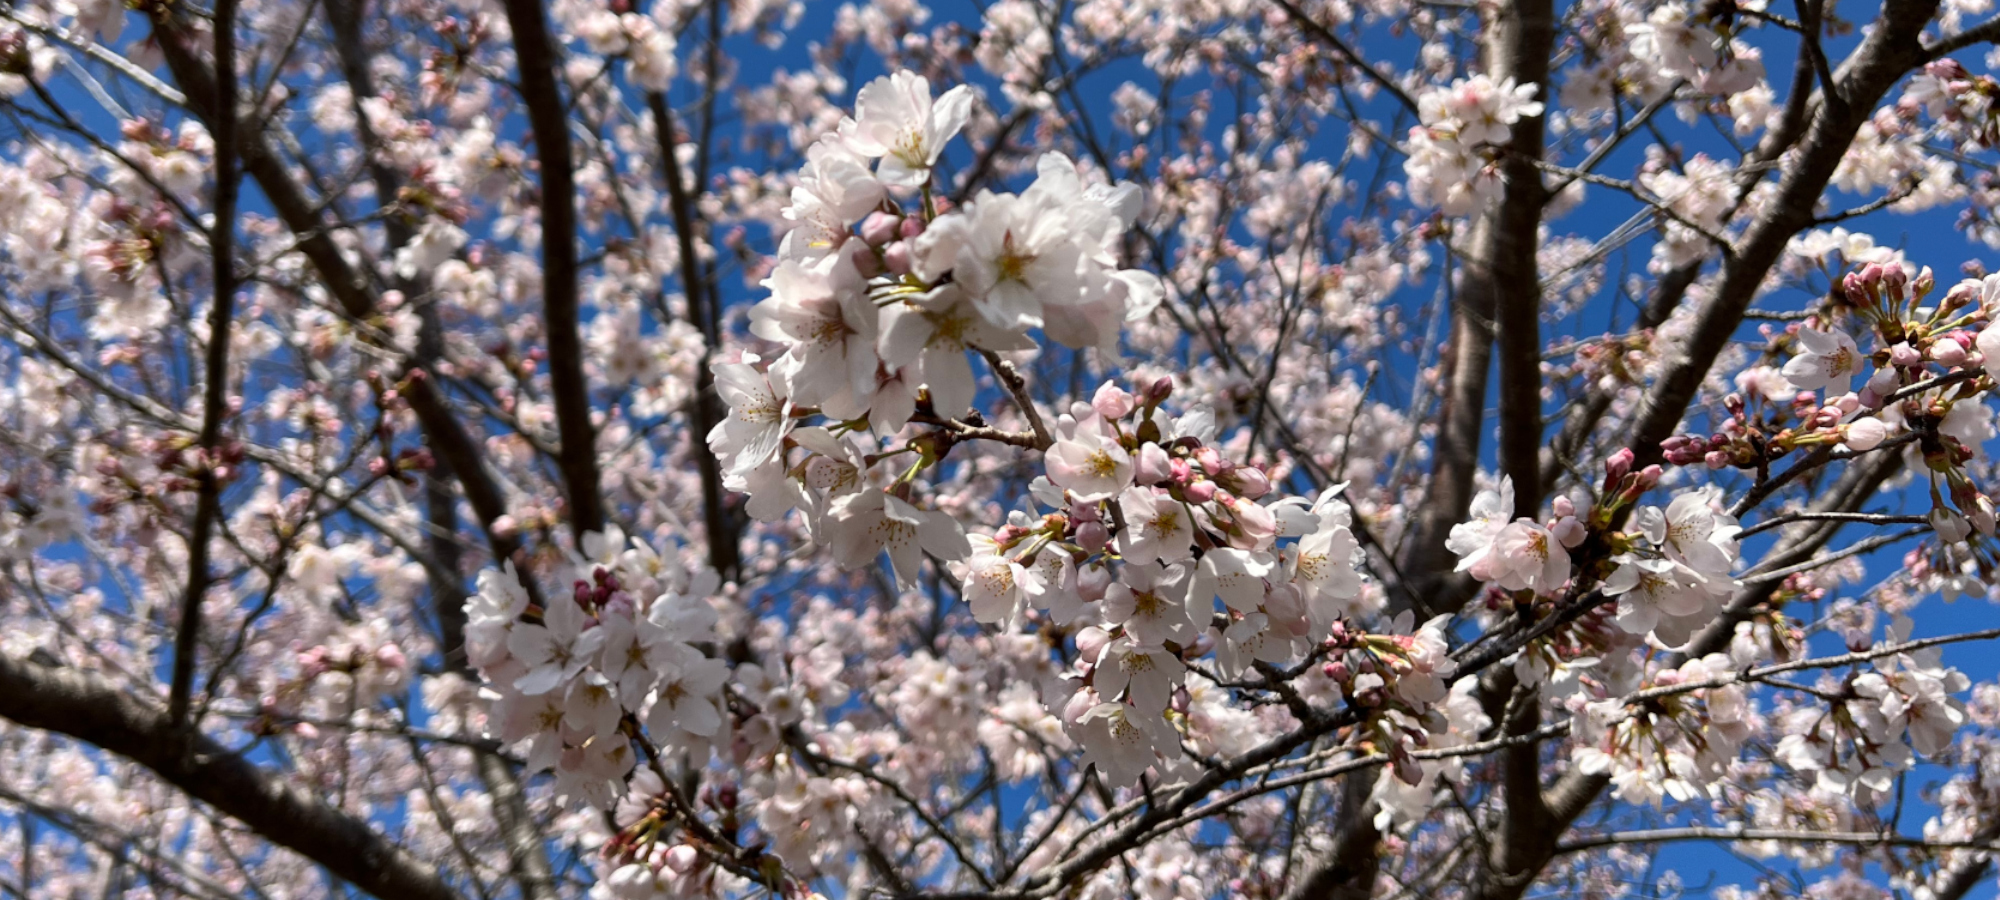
[[1179, 448]]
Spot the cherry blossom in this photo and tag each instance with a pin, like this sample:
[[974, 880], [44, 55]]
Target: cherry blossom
[[1090, 450]]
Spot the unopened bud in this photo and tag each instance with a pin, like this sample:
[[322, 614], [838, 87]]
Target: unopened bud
[[1113, 402], [896, 258], [1864, 434], [682, 859], [1091, 641], [1093, 536], [1620, 463], [880, 228], [1570, 532], [1079, 703], [1248, 482], [1950, 526]]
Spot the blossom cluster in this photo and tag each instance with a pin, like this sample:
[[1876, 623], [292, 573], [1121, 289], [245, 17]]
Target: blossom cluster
[[575, 680], [1450, 163], [1156, 552], [1670, 571]]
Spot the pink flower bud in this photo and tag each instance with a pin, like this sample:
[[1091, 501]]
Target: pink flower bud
[[1905, 355], [1847, 403], [1856, 288], [896, 258], [1199, 491], [1884, 382], [1112, 401], [682, 859], [1620, 463], [1864, 434], [1563, 506], [1092, 582], [1159, 390], [1090, 641], [1570, 532], [912, 227], [1948, 353], [1093, 536], [1716, 459], [880, 228], [1248, 482], [1951, 527], [1079, 703]]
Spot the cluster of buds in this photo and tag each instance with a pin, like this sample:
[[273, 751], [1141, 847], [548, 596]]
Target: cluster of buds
[[1613, 360], [1623, 485], [1746, 441], [1886, 296], [1956, 98], [1398, 680], [889, 235], [186, 463], [648, 855], [600, 592]]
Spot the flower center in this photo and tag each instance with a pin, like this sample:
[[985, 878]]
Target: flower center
[[1014, 262]]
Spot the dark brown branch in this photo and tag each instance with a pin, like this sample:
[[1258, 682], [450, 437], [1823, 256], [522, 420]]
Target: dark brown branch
[[215, 396], [1891, 49], [705, 408], [1982, 33], [547, 117], [1325, 36], [90, 709]]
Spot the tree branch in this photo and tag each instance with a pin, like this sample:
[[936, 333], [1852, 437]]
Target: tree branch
[[705, 407], [87, 708], [547, 117], [215, 396]]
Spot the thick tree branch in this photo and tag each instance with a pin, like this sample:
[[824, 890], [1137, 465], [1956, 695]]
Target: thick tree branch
[[547, 117], [1892, 48], [705, 408], [90, 709], [1499, 299], [215, 396]]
